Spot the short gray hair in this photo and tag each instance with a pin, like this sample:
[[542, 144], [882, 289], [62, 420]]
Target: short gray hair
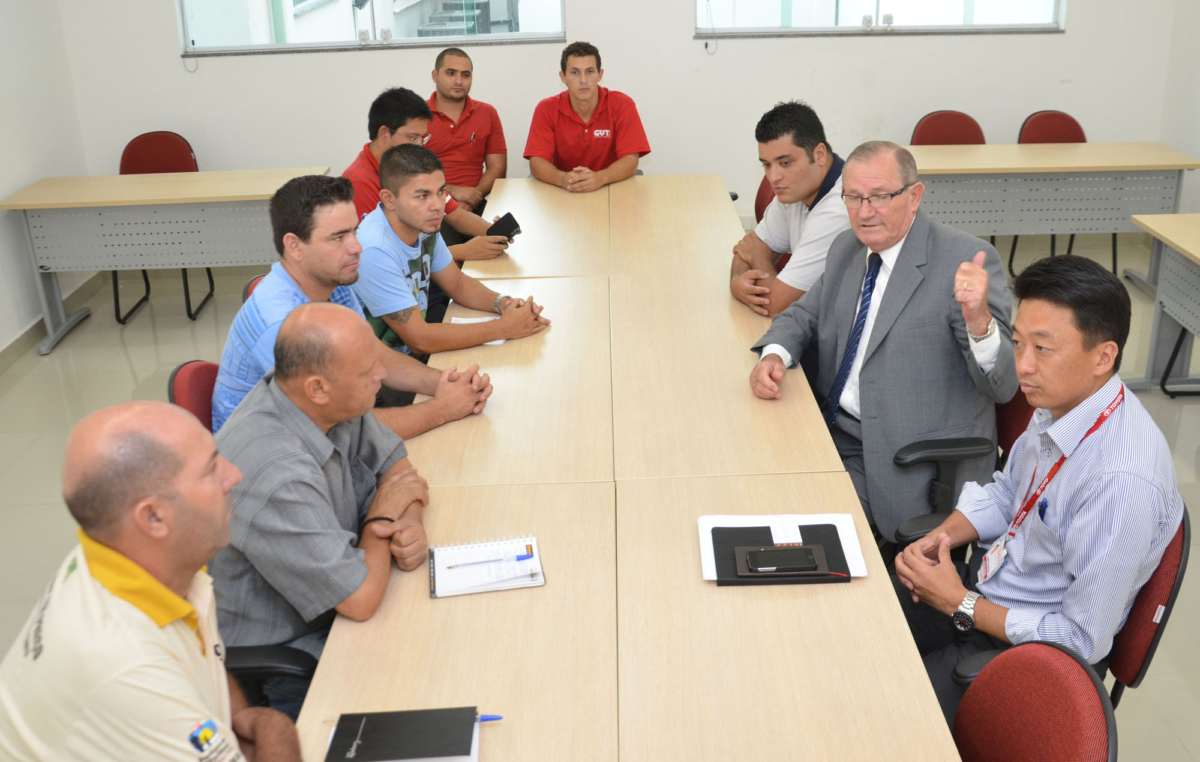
[[906, 165], [134, 467], [302, 352]]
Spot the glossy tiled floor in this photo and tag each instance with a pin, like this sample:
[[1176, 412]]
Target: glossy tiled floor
[[101, 363]]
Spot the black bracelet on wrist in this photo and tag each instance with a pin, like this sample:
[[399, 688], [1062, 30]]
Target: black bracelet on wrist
[[376, 518]]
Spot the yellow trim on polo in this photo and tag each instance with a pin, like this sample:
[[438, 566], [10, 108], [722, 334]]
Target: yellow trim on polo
[[133, 584]]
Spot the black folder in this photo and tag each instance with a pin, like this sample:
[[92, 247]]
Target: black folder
[[417, 734], [725, 539]]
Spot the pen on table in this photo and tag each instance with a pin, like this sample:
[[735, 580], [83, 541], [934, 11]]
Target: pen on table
[[487, 717], [522, 557], [1042, 508]]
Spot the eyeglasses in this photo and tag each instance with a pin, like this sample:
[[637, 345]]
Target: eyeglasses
[[878, 201]]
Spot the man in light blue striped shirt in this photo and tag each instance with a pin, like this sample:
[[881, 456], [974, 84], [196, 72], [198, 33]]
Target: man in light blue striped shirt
[[1080, 518]]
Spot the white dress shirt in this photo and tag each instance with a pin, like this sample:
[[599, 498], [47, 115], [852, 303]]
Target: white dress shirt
[[986, 352]]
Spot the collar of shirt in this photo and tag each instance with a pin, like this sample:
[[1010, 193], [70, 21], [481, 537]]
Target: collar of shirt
[[133, 584], [1067, 432], [831, 177], [890, 254], [468, 108], [319, 443], [369, 157], [564, 106]]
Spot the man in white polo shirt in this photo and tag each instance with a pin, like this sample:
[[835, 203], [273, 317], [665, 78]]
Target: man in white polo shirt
[[121, 659], [783, 257]]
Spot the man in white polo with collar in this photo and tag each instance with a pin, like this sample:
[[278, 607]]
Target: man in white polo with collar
[[121, 659], [781, 259]]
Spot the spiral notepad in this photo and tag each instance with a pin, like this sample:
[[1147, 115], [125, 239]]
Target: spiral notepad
[[483, 567]]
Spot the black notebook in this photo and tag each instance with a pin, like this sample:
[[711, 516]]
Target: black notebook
[[446, 735], [725, 539]]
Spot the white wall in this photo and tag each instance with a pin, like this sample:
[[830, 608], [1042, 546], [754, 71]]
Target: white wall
[[1181, 104], [699, 109], [39, 137]]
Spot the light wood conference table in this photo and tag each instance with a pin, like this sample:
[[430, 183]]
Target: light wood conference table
[[778, 672], [1044, 188], [141, 222], [543, 657], [563, 233], [550, 417], [1177, 302]]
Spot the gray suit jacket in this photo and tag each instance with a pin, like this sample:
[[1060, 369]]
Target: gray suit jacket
[[919, 379]]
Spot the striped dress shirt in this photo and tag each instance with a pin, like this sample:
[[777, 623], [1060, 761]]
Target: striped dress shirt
[[1071, 575]]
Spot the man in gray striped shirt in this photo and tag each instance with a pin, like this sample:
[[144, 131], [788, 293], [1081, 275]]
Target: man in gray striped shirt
[[1079, 519]]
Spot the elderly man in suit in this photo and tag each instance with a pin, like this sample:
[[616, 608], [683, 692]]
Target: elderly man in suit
[[912, 325]]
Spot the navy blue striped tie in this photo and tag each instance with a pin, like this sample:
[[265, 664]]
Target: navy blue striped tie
[[843, 374]]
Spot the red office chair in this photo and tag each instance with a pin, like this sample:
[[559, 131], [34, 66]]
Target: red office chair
[[1036, 701], [1135, 644], [762, 200], [250, 286], [191, 387], [153, 153], [947, 128], [1053, 127]]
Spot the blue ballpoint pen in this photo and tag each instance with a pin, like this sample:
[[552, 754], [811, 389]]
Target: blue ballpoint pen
[[522, 557], [487, 717], [1042, 508]]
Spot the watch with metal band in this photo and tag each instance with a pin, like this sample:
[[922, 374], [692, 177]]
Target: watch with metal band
[[991, 331], [964, 617], [496, 304]]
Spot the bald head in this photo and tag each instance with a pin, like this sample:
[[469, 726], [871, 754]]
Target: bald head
[[314, 336], [121, 455]]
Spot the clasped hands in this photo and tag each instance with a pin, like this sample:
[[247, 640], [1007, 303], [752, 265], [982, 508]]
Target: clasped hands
[[462, 394], [746, 286], [926, 569], [402, 495], [582, 180]]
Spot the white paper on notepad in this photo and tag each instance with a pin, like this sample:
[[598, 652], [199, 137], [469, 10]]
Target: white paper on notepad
[[465, 320], [784, 528]]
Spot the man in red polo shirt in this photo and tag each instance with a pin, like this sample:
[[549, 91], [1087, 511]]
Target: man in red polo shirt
[[466, 134], [588, 136], [400, 116]]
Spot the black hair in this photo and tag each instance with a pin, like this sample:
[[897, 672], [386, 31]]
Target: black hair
[[795, 118], [394, 108], [441, 57], [579, 49], [1097, 299], [404, 161], [292, 207]]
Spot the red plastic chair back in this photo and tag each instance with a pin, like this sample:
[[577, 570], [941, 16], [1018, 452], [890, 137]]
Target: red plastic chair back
[[250, 286], [1134, 645], [1051, 127], [1036, 701], [764, 198], [191, 387], [155, 152], [947, 128], [1012, 418]]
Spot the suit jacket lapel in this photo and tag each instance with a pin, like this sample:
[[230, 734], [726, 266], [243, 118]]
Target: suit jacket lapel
[[905, 278], [849, 295]]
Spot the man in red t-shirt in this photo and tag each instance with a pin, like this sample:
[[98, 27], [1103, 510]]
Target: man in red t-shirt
[[588, 136], [400, 116], [466, 134]]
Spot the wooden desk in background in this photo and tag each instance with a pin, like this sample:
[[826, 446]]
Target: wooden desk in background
[[1052, 188], [563, 233], [1177, 302], [550, 418], [543, 657], [142, 222], [779, 672]]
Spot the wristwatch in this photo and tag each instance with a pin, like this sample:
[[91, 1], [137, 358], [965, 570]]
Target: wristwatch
[[986, 334], [496, 304], [964, 617]]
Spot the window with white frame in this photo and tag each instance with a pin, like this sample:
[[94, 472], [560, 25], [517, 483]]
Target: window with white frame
[[776, 17], [240, 26]]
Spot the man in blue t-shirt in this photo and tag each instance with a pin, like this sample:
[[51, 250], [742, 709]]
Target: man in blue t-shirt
[[403, 252], [313, 221]]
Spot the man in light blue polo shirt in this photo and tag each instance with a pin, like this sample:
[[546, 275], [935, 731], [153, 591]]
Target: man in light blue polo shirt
[[313, 221], [403, 252]]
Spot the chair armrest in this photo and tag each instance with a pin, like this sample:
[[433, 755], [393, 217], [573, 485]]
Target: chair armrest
[[261, 662], [969, 668], [916, 528], [944, 450]]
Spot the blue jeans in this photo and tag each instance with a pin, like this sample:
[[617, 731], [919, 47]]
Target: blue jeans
[[287, 694]]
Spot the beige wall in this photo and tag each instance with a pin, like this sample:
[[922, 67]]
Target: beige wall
[[1181, 102]]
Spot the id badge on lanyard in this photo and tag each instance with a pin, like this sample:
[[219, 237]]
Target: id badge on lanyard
[[996, 554]]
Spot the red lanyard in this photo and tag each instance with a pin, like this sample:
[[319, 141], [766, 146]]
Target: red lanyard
[[1021, 514]]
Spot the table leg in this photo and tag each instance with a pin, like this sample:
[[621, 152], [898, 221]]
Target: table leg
[[1164, 335], [57, 322], [1149, 282]]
